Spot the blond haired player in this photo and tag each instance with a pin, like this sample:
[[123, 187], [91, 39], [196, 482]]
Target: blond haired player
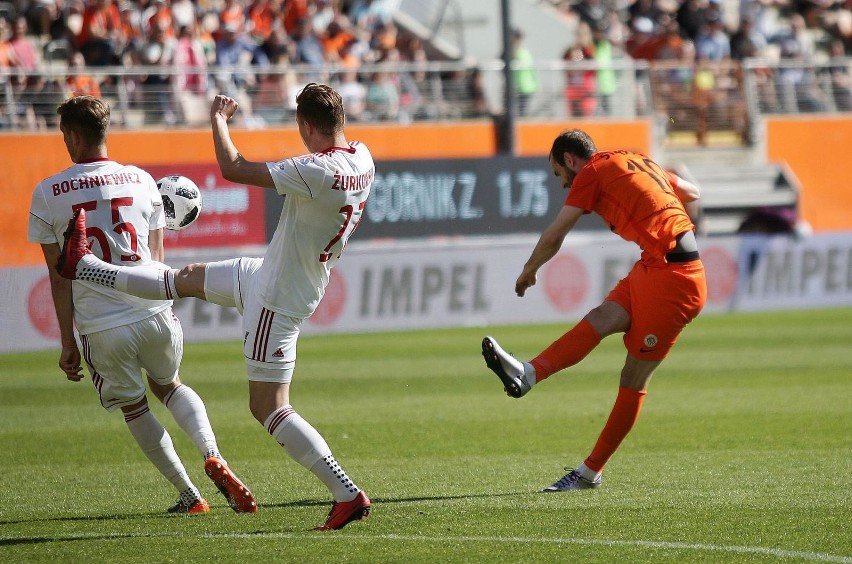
[[324, 196], [123, 335], [666, 289]]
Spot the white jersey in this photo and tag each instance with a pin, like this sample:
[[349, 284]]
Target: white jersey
[[324, 197], [122, 205]]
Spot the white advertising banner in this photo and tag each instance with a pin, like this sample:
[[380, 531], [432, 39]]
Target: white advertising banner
[[464, 282]]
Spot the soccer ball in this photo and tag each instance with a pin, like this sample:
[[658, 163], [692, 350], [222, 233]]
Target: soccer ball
[[181, 201]]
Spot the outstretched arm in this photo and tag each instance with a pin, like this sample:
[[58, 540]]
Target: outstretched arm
[[548, 245], [689, 194], [232, 164]]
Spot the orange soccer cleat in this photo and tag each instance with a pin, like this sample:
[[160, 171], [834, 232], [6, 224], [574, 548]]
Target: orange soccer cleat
[[344, 512], [199, 506], [236, 493]]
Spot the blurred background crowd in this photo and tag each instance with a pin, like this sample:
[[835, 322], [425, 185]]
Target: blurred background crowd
[[694, 50]]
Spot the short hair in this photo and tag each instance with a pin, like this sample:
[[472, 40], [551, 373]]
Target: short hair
[[574, 141], [87, 115], [322, 106]]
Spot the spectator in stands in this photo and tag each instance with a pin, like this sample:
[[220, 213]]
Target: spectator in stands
[[382, 97], [131, 29], [232, 16], [309, 48], [239, 60], [79, 82], [262, 18], [354, 95], [183, 14], [159, 14], [335, 39], [8, 59], [641, 42], [100, 38], [478, 101], [526, 81], [592, 12], [604, 53], [190, 64], [40, 15], [370, 14], [234, 53], [580, 84], [27, 53], [712, 43], [293, 12], [796, 83], [691, 16], [158, 51], [325, 12], [747, 42], [410, 99], [839, 75], [648, 9]]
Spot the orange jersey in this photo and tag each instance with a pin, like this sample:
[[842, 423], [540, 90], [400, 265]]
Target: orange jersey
[[636, 197]]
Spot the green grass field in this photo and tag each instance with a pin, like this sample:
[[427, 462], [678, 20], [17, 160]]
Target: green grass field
[[742, 454]]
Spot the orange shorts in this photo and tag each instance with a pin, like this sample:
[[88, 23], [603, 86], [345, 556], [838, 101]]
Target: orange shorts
[[660, 300]]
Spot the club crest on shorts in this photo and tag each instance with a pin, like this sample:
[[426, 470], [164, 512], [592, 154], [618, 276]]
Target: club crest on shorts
[[650, 341]]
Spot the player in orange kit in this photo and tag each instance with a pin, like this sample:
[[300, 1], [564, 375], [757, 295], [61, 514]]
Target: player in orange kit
[[665, 289]]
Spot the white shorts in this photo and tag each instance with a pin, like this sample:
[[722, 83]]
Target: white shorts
[[116, 358], [226, 282], [269, 338]]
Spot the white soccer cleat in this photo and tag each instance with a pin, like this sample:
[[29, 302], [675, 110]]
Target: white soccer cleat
[[510, 370]]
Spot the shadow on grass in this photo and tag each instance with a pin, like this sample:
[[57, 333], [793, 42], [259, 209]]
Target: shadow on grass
[[23, 540]]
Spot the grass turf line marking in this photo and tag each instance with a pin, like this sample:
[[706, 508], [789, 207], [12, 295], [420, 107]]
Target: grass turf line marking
[[776, 552]]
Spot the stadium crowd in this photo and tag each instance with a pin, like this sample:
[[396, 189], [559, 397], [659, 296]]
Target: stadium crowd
[[695, 51], [239, 38], [695, 47]]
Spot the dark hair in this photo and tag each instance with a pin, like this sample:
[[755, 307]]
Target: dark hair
[[574, 141], [87, 115], [322, 106]]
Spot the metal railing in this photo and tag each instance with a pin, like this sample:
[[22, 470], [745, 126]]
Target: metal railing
[[680, 97]]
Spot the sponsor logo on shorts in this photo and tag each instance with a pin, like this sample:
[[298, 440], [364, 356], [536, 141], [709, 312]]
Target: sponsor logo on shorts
[[279, 353]]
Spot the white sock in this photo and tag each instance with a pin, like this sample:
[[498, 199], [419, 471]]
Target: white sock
[[529, 374], [588, 473], [148, 282], [307, 447], [188, 409], [157, 445]]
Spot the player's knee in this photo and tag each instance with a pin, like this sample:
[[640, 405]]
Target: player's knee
[[189, 281]]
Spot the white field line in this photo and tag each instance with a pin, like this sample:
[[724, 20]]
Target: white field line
[[700, 547]]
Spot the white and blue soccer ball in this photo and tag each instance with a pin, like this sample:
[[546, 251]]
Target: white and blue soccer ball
[[181, 201]]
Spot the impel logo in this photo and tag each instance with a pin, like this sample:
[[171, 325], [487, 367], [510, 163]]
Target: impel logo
[[40, 309], [722, 274], [566, 282], [333, 302]]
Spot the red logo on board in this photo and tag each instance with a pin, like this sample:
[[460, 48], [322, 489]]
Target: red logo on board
[[41, 311], [722, 274], [566, 282], [333, 303]]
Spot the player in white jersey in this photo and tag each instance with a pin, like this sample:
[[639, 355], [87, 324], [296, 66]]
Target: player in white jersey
[[324, 196], [123, 335]]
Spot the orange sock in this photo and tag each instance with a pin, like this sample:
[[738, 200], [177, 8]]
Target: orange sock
[[623, 416], [567, 350]]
